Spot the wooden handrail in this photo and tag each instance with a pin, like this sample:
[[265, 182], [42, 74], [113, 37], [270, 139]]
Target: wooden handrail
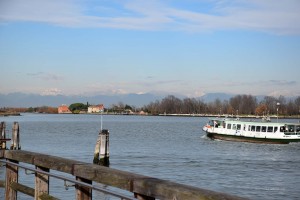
[[142, 186]]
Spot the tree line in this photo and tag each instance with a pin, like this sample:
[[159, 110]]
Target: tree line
[[237, 105], [41, 109]]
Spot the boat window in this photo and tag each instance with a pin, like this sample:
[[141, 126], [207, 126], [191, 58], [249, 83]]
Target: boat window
[[234, 126], [263, 129], [282, 129], [275, 129], [290, 128], [228, 126], [238, 127], [298, 128], [257, 128], [217, 123], [223, 124], [270, 129], [252, 128]]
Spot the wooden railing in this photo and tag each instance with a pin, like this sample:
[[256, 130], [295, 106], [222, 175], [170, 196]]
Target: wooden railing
[[142, 187], [85, 174]]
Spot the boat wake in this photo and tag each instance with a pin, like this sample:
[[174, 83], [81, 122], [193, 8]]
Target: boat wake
[[204, 137]]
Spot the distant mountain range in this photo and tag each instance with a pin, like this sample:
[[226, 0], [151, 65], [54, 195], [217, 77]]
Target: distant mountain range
[[36, 100], [138, 100]]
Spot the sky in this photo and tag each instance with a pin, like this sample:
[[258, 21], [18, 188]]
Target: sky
[[191, 47]]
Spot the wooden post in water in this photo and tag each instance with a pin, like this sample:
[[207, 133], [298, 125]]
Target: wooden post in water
[[15, 144], [104, 148], [101, 154], [2, 136]]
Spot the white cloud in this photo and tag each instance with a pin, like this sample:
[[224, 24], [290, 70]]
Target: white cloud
[[51, 92], [46, 76], [49, 11], [273, 16], [277, 93]]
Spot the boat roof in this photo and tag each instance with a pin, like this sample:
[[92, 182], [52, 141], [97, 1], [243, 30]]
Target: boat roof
[[237, 120]]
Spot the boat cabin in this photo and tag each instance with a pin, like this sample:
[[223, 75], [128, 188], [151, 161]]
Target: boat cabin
[[262, 127]]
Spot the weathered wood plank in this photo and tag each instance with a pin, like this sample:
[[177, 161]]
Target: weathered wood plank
[[143, 197], [2, 153], [47, 197], [105, 175], [21, 156], [101, 154], [22, 188], [2, 184], [42, 160], [163, 189], [41, 183], [3, 135], [30, 191], [143, 185], [83, 193], [15, 144], [12, 174]]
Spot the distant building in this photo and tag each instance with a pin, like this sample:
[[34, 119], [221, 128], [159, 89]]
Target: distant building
[[63, 109], [96, 109], [143, 113]]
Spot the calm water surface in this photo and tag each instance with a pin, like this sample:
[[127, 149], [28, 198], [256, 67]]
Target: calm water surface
[[170, 148]]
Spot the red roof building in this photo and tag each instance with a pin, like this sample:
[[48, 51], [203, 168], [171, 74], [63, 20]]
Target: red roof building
[[63, 109]]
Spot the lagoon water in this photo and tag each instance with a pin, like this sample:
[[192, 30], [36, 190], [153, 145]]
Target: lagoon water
[[170, 148]]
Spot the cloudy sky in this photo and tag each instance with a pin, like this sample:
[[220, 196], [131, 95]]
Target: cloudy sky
[[186, 47]]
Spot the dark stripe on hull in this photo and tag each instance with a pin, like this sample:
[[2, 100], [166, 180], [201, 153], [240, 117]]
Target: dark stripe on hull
[[249, 139]]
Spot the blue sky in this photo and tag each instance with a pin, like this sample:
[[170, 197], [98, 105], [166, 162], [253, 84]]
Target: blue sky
[[187, 47]]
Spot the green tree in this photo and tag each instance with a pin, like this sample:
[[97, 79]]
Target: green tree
[[128, 107], [77, 107]]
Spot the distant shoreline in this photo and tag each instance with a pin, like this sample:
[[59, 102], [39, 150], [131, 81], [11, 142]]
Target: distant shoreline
[[6, 114], [195, 115]]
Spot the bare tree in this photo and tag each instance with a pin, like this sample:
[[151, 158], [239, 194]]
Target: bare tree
[[171, 105], [271, 103], [239, 104]]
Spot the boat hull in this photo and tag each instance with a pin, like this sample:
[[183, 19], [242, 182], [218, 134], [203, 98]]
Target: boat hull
[[236, 138]]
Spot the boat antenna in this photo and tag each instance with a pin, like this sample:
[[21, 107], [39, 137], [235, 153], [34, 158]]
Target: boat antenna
[[278, 104]]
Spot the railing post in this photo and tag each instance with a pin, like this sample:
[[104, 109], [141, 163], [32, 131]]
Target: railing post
[[83, 193], [12, 173], [143, 197], [41, 183]]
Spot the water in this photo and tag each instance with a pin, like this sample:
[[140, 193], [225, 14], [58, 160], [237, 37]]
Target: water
[[170, 148]]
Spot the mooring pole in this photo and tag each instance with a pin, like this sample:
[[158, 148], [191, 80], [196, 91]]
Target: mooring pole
[[101, 154], [15, 144], [2, 136]]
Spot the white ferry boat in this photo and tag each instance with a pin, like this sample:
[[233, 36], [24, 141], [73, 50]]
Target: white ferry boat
[[256, 132]]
